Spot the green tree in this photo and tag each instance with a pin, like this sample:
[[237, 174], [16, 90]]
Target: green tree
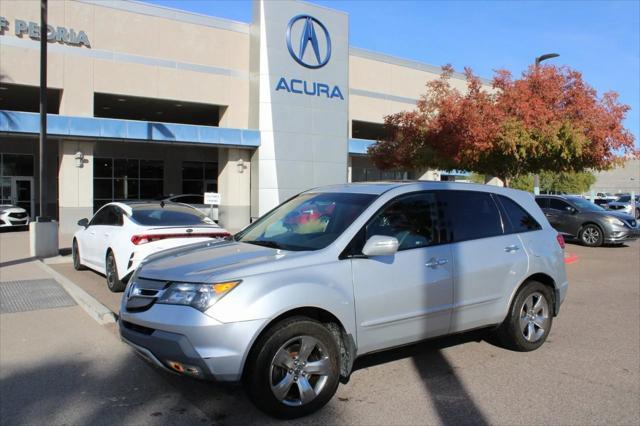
[[572, 183]]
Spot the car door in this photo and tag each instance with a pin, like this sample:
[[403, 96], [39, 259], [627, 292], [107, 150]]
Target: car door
[[487, 264], [90, 238], [108, 218], [406, 297], [562, 216]]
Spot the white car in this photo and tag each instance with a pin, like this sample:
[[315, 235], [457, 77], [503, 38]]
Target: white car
[[197, 202], [120, 235], [11, 215]]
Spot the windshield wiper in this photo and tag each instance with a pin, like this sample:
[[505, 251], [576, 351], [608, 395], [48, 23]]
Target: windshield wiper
[[265, 243]]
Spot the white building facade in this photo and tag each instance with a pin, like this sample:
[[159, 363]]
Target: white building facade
[[146, 101]]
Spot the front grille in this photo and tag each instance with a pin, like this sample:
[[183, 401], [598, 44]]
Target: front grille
[[18, 215], [143, 293]]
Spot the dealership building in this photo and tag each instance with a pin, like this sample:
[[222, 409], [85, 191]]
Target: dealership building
[[146, 101]]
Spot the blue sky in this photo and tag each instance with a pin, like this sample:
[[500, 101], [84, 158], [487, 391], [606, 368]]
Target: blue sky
[[599, 38]]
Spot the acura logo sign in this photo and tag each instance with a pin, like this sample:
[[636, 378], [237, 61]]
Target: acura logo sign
[[314, 42]]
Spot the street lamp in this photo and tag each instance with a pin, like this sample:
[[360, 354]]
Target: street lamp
[[536, 177], [545, 57]]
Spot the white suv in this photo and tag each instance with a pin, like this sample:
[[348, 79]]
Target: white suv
[[288, 303]]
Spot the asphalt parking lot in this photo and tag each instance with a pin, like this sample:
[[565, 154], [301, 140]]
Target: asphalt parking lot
[[588, 371]]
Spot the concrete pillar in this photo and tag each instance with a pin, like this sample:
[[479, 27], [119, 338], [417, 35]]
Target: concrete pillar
[[428, 174], [492, 180], [234, 185], [349, 169], [75, 186]]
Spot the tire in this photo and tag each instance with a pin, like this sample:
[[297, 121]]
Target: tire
[[591, 235], [111, 271], [75, 254], [277, 350], [529, 320]]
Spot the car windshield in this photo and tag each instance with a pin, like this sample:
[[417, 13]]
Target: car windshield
[[586, 205], [169, 215], [310, 221], [625, 199]]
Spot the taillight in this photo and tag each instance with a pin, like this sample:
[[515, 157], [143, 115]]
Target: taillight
[[560, 239], [149, 238]]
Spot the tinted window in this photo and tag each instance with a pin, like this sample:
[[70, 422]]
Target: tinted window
[[113, 216], [414, 220], [557, 204], [189, 199], [309, 221], [100, 218], [470, 215], [543, 202], [518, 218], [169, 215]]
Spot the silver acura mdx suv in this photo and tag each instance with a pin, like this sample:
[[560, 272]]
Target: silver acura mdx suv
[[288, 303]]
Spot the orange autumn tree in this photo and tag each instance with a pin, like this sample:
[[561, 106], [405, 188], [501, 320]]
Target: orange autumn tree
[[548, 120]]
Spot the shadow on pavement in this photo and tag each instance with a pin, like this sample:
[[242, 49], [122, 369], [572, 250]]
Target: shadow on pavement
[[450, 398], [80, 392]]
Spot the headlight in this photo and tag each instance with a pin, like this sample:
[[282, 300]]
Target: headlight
[[199, 296], [614, 221]]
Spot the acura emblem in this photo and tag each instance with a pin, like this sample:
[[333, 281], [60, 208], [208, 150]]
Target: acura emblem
[[313, 31]]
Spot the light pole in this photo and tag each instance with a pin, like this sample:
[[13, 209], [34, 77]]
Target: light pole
[[536, 177], [43, 111]]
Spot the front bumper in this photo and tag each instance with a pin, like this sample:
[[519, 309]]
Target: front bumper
[[184, 340], [6, 220], [621, 234]]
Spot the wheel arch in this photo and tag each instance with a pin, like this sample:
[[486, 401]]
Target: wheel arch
[[346, 342], [591, 222], [544, 279]]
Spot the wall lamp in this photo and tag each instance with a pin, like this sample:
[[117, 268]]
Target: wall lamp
[[240, 165], [79, 157]]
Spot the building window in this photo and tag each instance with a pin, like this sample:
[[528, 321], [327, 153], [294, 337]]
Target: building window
[[117, 179], [199, 177], [16, 180], [362, 174]]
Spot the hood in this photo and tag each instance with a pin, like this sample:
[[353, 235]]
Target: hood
[[627, 218], [11, 208], [203, 262]]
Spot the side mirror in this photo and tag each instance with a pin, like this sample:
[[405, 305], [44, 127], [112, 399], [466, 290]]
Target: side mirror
[[83, 222], [380, 245]]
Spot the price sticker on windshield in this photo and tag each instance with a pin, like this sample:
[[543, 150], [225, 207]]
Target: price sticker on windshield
[[213, 198]]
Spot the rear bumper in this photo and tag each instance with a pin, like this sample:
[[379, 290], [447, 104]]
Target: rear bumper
[[560, 295]]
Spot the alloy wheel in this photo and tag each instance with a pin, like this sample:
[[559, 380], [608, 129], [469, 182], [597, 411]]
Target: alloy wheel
[[591, 235], [110, 270], [75, 255], [299, 371], [533, 317]]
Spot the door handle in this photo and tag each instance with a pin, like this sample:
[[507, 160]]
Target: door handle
[[434, 263], [106, 234], [511, 248]]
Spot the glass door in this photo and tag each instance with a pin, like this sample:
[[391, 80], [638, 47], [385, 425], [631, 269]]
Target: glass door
[[22, 194]]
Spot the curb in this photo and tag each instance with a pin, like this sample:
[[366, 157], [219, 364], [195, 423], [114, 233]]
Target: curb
[[95, 309]]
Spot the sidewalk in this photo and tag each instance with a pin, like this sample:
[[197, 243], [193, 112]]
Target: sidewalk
[[58, 366]]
